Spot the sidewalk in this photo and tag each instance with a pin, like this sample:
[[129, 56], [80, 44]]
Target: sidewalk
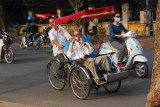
[[11, 104], [147, 42]]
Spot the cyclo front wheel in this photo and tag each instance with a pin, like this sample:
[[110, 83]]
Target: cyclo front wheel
[[57, 83], [80, 83]]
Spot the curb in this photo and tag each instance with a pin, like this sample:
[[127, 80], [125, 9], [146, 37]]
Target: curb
[[11, 104]]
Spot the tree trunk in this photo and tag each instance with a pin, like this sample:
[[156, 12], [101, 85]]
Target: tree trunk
[[153, 97], [76, 8]]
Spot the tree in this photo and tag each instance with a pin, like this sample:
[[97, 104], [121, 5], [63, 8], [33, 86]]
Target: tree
[[153, 97]]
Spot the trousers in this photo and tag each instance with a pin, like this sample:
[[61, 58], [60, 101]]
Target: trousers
[[91, 62], [121, 47]]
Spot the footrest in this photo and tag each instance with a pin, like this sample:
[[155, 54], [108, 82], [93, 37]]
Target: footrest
[[117, 76]]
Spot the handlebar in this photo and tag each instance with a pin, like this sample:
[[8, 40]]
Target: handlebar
[[105, 54]]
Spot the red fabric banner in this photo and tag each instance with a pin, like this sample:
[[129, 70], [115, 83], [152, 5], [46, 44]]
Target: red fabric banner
[[91, 14], [44, 16]]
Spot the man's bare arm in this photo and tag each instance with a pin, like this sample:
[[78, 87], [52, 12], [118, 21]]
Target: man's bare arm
[[56, 43]]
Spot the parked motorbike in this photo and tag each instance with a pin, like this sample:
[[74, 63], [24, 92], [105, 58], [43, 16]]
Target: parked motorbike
[[36, 41], [6, 51], [133, 56]]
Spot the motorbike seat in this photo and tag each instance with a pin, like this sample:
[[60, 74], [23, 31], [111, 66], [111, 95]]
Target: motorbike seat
[[108, 46]]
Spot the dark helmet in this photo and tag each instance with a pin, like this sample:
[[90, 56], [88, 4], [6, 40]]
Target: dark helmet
[[29, 18]]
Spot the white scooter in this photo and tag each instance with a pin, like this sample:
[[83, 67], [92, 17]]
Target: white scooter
[[133, 58], [6, 51]]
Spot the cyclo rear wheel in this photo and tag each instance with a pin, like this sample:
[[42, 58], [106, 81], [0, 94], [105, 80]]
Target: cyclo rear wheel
[[80, 84], [114, 86], [55, 82]]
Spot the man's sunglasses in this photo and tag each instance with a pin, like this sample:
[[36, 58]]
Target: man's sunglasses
[[118, 16]]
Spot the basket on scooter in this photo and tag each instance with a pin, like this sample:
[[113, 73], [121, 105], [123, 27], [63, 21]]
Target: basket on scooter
[[7, 40]]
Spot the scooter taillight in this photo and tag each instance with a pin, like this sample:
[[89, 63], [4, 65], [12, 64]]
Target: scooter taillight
[[120, 64]]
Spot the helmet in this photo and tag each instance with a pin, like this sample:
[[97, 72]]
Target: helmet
[[29, 18]]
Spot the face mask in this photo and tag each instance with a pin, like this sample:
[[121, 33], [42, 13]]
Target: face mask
[[118, 19]]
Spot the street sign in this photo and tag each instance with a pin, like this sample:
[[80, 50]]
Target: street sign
[[145, 17]]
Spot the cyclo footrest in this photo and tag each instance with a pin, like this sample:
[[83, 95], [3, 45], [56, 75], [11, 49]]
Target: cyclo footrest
[[117, 76]]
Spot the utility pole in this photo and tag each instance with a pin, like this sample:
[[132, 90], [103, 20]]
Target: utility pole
[[150, 25]]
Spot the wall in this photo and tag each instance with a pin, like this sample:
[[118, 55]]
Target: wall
[[103, 27]]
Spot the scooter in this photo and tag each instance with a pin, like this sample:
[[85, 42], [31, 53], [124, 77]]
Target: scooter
[[133, 57], [6, 51], [36, 41]]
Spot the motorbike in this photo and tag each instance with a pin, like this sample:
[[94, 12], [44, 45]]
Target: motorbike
[[6, 51], [133, 55], [36, 41], [45, 36]]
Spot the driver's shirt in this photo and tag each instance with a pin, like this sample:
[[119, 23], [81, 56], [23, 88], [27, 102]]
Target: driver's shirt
[[60, 36], [79, 50]]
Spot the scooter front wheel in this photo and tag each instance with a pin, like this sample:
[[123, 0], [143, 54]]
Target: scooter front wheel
[[141, 69], [9, 56]]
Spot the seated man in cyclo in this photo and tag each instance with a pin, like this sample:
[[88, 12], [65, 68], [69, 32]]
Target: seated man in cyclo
[[78, 49]]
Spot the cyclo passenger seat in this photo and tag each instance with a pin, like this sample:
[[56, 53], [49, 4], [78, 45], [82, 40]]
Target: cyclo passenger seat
[[85, 39]]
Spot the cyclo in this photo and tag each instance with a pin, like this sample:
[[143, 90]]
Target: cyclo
[[79, 76]]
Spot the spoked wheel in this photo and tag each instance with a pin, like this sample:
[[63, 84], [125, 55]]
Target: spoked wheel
[[56, 83], [9, 56], [112, 87], [141, 69], [80, 84]]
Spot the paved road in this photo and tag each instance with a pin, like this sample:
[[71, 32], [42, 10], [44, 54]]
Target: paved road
[[26, 82]]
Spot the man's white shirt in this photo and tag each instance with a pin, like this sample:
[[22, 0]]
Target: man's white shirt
[[79, 50], [61, 36]]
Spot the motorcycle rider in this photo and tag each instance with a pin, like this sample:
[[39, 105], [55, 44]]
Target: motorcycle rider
[[25, 30], [116, 39], [58, 36], [32, 29]]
